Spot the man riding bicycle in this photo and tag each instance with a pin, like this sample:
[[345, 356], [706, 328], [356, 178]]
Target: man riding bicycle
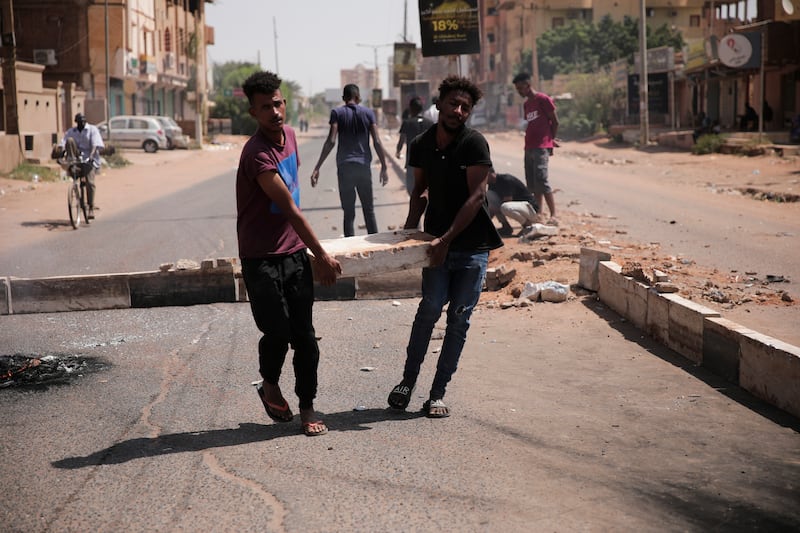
[[89, 142]]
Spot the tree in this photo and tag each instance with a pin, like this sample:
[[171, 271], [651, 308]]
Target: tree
[[228, 79], [582, 47]]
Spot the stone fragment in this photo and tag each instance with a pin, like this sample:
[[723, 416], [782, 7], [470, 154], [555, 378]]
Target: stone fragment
[[666, 287]]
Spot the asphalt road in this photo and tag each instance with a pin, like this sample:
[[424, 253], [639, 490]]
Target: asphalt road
[[660, 205], [195, 223], [565, 417]]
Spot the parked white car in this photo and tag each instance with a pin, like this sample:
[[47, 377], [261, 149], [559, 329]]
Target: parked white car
[[134, 132], [174, 133]]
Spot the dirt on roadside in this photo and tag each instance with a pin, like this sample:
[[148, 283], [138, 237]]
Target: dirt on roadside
[[556, 258]]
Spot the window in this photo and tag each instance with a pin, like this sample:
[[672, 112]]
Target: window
[[694, 21], [167, 40], [490, 37], [558, 22]]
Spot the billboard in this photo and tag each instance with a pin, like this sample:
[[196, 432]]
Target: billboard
[[449, 27], [405, 62]]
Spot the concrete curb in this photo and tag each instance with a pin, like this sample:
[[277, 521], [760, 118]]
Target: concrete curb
[[764, 366], [214, 281]]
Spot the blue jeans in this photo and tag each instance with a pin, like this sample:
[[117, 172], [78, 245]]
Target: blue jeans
[[458, 281], [356, 178]]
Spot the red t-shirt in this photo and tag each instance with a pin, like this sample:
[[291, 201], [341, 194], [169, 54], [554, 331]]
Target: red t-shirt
[[537, 108], [263, 230]]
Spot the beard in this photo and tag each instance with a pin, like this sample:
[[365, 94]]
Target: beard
[[450, 129]]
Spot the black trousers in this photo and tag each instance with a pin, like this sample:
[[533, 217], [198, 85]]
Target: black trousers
[[281, 294]]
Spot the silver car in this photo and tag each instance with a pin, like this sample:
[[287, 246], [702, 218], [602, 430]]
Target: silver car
[[128, 131], [174, 133]]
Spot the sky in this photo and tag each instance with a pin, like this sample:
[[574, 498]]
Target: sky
[[315, 38]]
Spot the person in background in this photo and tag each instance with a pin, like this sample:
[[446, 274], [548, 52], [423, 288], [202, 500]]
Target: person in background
[[90, 142], [354, 124], [410, 128], [748, 121], [451, 164], [510, 198], [273, 236], [540, 139], [432, 113]]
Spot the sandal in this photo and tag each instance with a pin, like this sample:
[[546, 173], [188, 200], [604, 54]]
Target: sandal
[[314, 429], [278, 413], [400, 396], [436, 409]]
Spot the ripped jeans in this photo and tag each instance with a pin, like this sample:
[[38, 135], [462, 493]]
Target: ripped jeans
[[458, 281]]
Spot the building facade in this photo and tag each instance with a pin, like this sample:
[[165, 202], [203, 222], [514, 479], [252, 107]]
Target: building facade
[[122, 57]]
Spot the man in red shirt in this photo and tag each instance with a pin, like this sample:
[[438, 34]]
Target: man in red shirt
[[540, 139]]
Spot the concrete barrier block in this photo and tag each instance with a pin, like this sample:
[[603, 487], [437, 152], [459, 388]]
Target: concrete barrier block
[[405, 284], [612, 286], [5, 296], [588, 277], [241, 289], [70, 293], [657, 322], [182, 287], [636, 296], [770, 369], [379, 253], [686, 320], [722, 340], [343, 289]]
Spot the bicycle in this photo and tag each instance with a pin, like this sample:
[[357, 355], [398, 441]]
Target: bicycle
[[78, 168]]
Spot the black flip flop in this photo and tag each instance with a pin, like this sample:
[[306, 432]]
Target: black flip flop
[[278, 413], [400, 396]]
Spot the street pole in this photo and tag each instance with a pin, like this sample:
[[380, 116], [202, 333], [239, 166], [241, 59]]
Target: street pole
[[275, 38], [534, 52], [644, 119], [108, 74], [9, 55]]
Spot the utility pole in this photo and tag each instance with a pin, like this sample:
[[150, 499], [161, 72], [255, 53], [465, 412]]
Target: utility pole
[[108, 74], [200, 65], [644, 118], [375, 52], [9, 55], [275, 39]]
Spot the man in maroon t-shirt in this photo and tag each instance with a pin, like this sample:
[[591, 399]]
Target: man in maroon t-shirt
[[540, 138], [273, 236]]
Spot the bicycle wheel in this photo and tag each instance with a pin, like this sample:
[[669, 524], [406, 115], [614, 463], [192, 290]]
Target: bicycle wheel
[[84, 201], [74, 204]]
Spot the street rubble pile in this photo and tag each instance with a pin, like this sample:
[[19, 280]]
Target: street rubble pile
[[543, 266]]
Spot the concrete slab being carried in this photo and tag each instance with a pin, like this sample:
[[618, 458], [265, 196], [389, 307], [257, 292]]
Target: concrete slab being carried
[[379, 253]]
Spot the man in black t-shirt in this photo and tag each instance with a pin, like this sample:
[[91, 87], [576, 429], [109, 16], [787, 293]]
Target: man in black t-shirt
[[509, 197], [412, 126], [451, 164]]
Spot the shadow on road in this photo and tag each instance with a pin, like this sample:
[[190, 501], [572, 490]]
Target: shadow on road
[[49, 225], [246, 433], [730, 390]]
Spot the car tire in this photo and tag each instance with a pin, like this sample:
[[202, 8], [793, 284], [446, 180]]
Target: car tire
[[150, 146]]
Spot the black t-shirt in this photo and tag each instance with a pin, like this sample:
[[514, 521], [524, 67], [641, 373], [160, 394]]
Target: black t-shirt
[[413, 126], [507, 185], [446, 173]]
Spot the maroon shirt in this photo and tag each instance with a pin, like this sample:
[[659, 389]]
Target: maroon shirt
[[263, 230], [537, 109]]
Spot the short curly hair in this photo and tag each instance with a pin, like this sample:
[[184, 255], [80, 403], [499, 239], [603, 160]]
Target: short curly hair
[[458, 83], [263, 82]]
